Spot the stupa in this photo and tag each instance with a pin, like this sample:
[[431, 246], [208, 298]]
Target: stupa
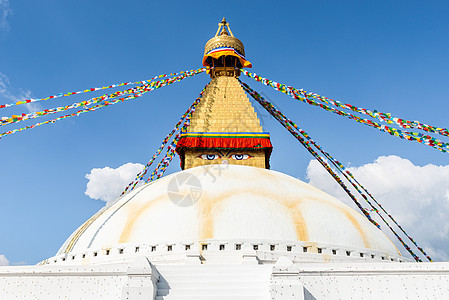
[[226, 226], [226, 195]]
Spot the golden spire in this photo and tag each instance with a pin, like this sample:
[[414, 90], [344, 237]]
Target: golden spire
[[225, 128], [222, 45]]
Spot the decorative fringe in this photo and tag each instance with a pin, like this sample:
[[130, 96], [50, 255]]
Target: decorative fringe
[[224, 143]]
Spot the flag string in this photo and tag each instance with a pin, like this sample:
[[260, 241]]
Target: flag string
[[59, 95], [309, 97], [141, 174], [105, 103], [307, 142]]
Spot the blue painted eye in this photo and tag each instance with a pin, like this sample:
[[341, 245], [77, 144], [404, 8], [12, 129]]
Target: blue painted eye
[[209, 156], [240, 156]]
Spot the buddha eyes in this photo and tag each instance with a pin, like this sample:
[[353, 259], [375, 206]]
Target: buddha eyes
[[209, 156], [240, 156], [216, 156]]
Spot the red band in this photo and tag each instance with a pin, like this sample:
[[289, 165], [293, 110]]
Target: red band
[[224, 143]]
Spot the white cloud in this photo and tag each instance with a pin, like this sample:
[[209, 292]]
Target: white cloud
[[4, 82], [417, 197], [13, 96], [5, 11], [107, 184], [3, 260]]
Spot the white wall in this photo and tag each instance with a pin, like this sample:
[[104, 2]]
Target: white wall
[[296, 281], [368, 280]]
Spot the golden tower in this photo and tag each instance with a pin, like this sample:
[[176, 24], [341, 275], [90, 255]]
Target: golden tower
[[224, 128]]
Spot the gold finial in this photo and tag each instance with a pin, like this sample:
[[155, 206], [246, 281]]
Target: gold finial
[[223, 24], [224, 38], [223, 31]]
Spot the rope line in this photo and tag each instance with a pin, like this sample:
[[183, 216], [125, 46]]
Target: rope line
[[142, 173], [289, 125], [165, 162], [357, 185], [18, 118], [278, 116], [59, 95], [306, 97], [156, 85]]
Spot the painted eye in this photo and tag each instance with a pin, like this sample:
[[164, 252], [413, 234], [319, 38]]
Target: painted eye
[[240, 156], [209, 156]]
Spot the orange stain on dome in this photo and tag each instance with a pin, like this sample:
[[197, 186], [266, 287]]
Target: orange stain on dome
[[349, 214], [134, 215], [209, 209], [357, 226]]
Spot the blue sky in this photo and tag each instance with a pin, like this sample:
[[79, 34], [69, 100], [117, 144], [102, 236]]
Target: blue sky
[[386, 55]]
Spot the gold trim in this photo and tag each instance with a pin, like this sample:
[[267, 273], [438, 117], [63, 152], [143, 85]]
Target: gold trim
[[223, 71], [82, 229], [223, 39]]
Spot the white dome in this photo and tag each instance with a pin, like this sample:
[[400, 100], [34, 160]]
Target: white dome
[[227, 202]]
